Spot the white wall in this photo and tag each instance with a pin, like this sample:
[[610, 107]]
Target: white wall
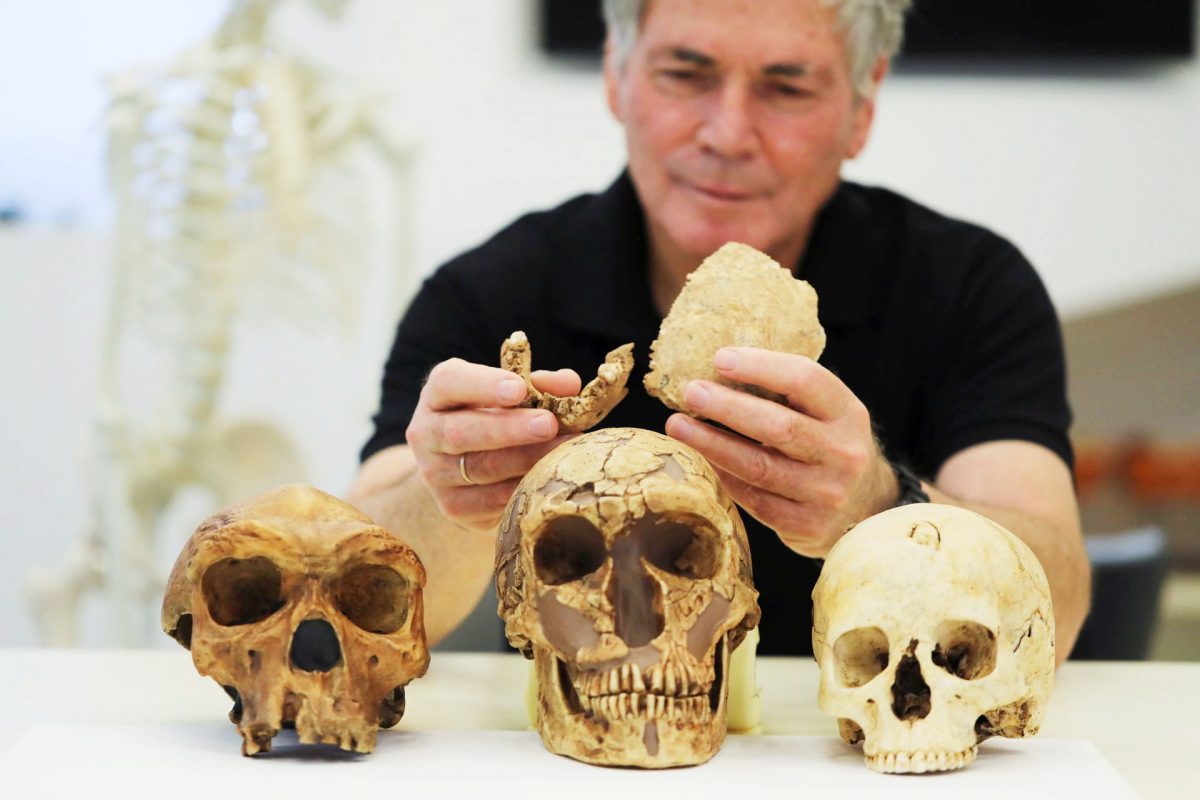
[[1096, 177]]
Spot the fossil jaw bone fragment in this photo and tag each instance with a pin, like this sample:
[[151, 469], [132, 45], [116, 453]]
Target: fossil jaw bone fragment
[[591, 405]]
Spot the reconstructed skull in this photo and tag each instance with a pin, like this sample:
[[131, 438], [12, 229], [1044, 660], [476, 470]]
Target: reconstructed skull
[[933, 630], [623, 570], [308, 613]]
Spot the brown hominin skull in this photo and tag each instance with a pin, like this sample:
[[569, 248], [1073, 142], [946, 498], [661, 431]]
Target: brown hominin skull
[[623, 570], [308, 613]]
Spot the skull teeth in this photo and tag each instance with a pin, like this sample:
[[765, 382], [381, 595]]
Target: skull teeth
[[667, 680], [639, 685], [921, 761], [625, 705]]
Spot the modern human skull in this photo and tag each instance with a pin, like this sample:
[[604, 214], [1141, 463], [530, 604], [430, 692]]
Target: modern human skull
[[623, 571], [933, 629], [306, 612]]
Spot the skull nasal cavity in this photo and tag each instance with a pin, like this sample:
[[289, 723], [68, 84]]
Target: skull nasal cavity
[[315, 646], [910, 693], [635, 596]]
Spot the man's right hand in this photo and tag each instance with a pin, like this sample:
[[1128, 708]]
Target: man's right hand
[[466, 422]]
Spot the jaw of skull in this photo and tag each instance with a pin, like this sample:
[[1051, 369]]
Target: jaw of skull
[[306, 613], [933, 630], [677, 718], [623, 572]]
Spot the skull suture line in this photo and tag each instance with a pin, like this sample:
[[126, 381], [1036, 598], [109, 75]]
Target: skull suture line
[[623, 570], [306, 612], [933, 629]]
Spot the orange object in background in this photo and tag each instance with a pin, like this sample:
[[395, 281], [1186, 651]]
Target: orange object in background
[[1159, 473], [1149, 472]]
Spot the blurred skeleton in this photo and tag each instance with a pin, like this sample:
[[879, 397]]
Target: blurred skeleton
[[241, 192]]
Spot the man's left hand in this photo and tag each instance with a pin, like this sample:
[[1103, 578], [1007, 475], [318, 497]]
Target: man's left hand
[[809, 469]]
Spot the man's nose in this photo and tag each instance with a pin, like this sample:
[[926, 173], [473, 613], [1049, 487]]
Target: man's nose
[[728, 129]]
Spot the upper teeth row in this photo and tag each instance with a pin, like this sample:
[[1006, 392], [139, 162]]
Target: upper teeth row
[[672, 680], [921, 761], [619, 706]]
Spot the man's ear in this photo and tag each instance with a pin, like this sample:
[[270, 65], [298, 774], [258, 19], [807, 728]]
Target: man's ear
[[864, 112], [612, 78]]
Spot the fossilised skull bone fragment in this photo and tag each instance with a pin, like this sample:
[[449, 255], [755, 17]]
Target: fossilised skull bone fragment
[[933, 629], [306, 612], [623, 570], [584, 411], [738, 296]]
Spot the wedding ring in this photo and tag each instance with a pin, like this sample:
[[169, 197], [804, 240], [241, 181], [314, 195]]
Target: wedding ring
[[462, 470]]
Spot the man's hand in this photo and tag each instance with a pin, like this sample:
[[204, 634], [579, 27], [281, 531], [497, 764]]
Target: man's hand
[[466, 421], [809, 469]]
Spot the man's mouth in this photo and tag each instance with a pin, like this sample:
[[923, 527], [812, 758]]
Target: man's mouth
[[721, 194]]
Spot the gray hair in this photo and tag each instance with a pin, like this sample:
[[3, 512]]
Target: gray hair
[[873, 28]]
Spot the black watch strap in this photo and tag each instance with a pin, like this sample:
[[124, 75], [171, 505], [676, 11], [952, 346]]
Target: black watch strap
[[910, 486]]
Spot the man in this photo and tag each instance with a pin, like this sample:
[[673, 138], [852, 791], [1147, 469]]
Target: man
[[941, 340]]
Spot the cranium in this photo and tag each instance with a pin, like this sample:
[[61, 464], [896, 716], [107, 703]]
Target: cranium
[[306, 612], [933, 630], [623, 570], [738, 296]]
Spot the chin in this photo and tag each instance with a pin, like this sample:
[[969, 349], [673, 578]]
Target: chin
[[707, 239]]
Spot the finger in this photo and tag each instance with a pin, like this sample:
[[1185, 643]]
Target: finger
[[477, 506], [456, 383], [489, 466], [791, 432], [560, 383], [808, 386], [470, 429], [753, 463], [792, 522]]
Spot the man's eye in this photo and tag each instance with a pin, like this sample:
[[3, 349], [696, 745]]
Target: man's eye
[[789, 91], [683, 80]]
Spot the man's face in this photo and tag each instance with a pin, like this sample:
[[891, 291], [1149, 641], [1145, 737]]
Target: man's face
[[737, 115]]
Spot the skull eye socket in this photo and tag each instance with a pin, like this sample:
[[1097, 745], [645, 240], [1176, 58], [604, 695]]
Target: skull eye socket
[[373, 597], [681, 550], [241, 591], [860, 655], [966, 649], [568, 549]]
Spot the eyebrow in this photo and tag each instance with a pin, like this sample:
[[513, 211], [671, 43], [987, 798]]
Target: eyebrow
[[691, 56], [783, 70], [789, 70]]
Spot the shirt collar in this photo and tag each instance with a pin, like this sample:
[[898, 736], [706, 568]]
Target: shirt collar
[[846, 257], [604, 287]]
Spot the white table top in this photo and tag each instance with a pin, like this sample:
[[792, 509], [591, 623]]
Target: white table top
[[1143, 717]]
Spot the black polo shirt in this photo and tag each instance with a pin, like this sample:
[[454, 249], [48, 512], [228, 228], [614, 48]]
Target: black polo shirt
[[941, 328]]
